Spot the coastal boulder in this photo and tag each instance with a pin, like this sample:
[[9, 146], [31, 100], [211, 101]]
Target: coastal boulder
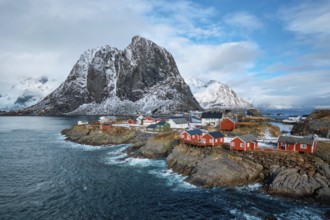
[[213, 167], [290, 182], [159, 145]]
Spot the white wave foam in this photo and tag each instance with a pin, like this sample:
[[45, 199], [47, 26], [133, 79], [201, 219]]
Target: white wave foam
[[65, 143], [154, 167], [173, 179], [243, 215], [250, 187], [301, 213]]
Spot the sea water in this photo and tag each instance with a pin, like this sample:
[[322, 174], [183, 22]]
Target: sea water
[[43, 176]]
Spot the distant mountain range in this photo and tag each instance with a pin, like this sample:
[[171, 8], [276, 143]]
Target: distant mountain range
[[141, 78], [25, 92], [213, 94]]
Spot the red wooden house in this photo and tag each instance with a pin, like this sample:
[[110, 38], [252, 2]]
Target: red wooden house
[[296, 143], [105, 126], [131, 121], [149, 120], [244, 142], [227, 124], [192, 136], [215, 138]]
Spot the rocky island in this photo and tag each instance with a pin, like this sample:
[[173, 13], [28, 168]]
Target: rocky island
[[294, 175]]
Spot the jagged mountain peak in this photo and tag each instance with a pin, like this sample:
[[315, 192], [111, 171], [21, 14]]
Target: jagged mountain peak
[[142, 77], [213, 94]]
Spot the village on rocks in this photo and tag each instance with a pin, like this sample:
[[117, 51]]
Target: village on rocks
[[220, 148]]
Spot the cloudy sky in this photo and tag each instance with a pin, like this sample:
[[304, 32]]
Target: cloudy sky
[[268, 51]]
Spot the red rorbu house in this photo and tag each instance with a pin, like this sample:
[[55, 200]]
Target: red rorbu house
[[192, 136], [105, 126], [131, 121], [149, 120], [244, 142], [213, 139], [227, 124], [296, 143]]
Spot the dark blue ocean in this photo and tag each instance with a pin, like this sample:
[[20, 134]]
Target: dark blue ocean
[[42, 176]]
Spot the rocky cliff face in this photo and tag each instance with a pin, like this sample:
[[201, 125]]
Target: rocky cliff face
[[213, 167], [317, 123], [143, 77]]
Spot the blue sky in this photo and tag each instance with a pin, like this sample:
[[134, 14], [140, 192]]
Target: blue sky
[[269, 51]]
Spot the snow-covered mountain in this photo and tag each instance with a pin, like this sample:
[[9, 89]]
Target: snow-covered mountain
[[142, 78], [213, 94], [25, 92]]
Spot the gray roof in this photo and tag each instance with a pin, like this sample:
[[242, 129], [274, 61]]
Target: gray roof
[[179, 121], [248, 138], [195, 131], [295, 140], [161, 123], [152, 126], [216, 134], [212, 115]]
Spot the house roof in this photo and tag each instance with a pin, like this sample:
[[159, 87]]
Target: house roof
[[216, 134], [194, 120], [149, 117], [248, 138], [231, 119], [152, 126], [295, 140], [212, 115], [195, 131], [179, 120], [161, 123]]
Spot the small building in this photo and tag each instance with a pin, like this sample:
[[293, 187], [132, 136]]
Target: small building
[[191, 136], [107, 119], [82, 122], [162, 126], [151, 127], [178, 123], [212, 118], [297, 143], [214, 138], [139, 120], [105, 126], [244, 142], [227, 124], [148, 120], [195, 122], [131, 121]]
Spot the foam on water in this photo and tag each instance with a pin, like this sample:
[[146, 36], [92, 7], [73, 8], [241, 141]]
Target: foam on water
[[243, 215], [172, 179], [301, 213], [64, 143], [157, 168], [250, 187]]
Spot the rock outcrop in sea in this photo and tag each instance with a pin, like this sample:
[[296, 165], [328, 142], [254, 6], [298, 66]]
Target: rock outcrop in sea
[[210, 167]]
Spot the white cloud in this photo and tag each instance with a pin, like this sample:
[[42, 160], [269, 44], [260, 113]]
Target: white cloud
[[308, 18], [32, 64], [224, 61], [244, 20], [299, 88], [47, 37], [310, 22]]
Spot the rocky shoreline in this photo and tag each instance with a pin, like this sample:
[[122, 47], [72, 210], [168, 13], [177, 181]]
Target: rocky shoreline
[[294, 175]]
